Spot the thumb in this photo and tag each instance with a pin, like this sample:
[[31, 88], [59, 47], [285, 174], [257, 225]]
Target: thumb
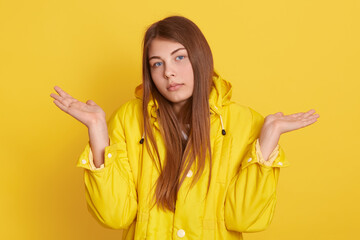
[[91, 102]]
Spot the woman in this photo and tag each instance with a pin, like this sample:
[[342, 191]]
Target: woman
[[181, 161]]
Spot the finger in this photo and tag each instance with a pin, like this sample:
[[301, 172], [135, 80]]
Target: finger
[[296, 115], [91, 102], [309, 122], [62, 92], [56, 97], [315, 116], [303, 118], [61, 106], [68, 102], [64, 101], [309, 113], [311, 117]]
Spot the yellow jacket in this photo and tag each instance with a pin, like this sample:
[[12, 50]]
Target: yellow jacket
[[242, 193]]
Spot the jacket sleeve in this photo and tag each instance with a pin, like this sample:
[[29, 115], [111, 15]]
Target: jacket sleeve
[[110, 190], [251, 195]]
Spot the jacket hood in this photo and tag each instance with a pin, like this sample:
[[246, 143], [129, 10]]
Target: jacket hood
[[220, 94]]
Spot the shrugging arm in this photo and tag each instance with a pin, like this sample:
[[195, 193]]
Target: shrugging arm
[[251, 196], [110, 189]]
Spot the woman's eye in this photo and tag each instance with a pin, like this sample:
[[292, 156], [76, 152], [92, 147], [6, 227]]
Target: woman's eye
[[180, 57], [157, 64]]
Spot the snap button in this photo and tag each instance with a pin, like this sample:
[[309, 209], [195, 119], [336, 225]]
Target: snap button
[[249, 160], [181, 233], [109, 155], [83, 161], [189, 174]]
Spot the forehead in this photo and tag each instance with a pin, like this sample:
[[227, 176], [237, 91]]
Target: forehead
[[160, 46]]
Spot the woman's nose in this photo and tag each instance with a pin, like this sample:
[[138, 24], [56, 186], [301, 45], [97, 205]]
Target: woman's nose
[[169, 71]]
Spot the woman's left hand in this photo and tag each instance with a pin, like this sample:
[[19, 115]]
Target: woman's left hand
[[278, 123], [286, 123]]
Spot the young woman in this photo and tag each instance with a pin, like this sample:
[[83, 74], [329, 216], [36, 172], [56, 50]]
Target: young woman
[[181, 161]]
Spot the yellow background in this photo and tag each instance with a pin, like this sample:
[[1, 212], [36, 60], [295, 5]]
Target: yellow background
[[280, 55]]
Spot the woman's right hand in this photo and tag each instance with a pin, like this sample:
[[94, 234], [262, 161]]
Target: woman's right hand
[[92, 116], [88, 113]]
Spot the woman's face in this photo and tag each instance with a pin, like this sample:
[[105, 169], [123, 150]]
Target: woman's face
[[171, 71]]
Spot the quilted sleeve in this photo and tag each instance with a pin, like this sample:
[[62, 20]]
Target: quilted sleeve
[[251, 195], [110, 190]]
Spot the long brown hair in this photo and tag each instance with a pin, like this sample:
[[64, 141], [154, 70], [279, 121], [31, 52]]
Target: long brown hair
[[180, 154]]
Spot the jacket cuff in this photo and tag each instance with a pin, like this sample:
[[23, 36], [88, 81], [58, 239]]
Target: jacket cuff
[[273, 155], [86, 159], [91, 162], [254, 155]]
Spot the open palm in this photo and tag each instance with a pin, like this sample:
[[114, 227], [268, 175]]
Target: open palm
[[287, 123], [87, 113]]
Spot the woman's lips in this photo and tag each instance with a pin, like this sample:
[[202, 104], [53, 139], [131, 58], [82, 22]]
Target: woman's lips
[[174, 86]]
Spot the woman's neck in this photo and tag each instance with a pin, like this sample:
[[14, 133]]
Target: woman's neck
[[177, 107]]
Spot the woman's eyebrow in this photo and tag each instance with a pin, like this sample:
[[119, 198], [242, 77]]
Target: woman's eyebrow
[[172, 53], [177, 50]]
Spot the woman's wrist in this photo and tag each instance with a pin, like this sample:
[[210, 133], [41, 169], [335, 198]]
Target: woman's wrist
[[269, 138], [99, 140], [97, 122]]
